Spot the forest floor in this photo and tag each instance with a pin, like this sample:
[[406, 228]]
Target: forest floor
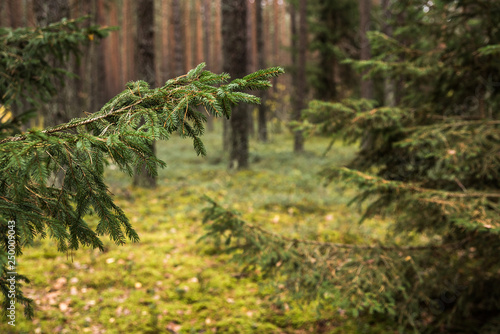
[[169, 282]]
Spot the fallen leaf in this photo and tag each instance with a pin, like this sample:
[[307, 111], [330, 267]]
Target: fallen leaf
[[63, 307], [60, 282], [173, 327]]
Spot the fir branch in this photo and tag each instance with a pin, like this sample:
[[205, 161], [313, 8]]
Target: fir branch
[[374, 180], [225, 215]]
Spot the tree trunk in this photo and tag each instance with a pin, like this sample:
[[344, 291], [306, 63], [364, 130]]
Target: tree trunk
[[165, 45], [128, 42], [366, 91], [112, 60], [64, 106], [364, 15], [217, 49], [146, 70], [261, 63], [177, 27], [300, 82], [14, 13], [199, 33], [276, 43], [207, 33], [326, 89], [389, 85], [249, 67], [234, 47], [188, 36]]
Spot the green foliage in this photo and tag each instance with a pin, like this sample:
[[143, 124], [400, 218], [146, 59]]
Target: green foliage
[[51, 179], [433, 158], [32, 59], [432, 164]]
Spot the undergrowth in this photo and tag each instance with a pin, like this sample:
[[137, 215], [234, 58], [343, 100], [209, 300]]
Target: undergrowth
[[170, 283]]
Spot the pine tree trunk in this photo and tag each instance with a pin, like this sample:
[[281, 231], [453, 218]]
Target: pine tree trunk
[[199, 33], [226, 128], [112, 59], [217, 49], [165, 45], [178, 46], [235, 63], [364, 15], [366, 84], [207, 33], [64, 105], [188, 36], [389, 85], [146, 70], [129, 30], [261, 63], [326, 89], [276, 44], [300, 82], [14, 13], [250, 64]]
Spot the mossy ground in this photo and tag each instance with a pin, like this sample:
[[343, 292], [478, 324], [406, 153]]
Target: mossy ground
[[169, 283]]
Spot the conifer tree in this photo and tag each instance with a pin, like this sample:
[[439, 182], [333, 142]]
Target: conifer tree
[[433, 168], [81, 148], [333, 28], [146, 70], [234, 50]]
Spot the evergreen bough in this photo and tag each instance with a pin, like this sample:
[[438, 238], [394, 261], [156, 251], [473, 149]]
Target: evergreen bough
[[432, 165], [51, 179]]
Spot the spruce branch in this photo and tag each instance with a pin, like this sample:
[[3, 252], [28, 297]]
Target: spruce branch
[[398, 185], [220, 216]]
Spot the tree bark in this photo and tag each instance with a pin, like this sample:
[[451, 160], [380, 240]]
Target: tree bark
[[364, 15], [177, 27], [389, 85], [234, 47], [188, 36], [207, 34], [65, 105], [199, 33], [165, 45], [14, 13], [217, 49], [250, 64], [366, 84], [261, 63], [300, 82], [146, 70]]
